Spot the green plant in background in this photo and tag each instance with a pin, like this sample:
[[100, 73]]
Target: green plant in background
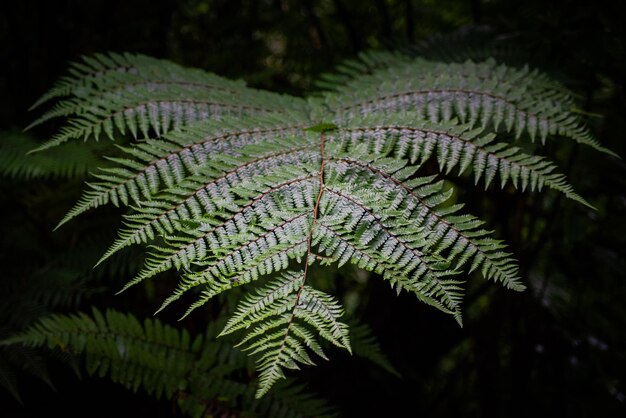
[[196, 371], [233, 185]]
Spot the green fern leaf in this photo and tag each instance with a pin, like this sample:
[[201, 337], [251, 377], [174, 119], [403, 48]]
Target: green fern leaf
[[281, 314], [493, 95], [456, 145], [140, 95], [74, 161], [198, 372], [156, 164], [237, 185]]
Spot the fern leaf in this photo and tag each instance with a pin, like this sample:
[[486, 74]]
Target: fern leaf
[[365, 345], [207, 190], [140, 95], [274, 258], [493, 95], [74, 161], [396, 241], [366, 63], [457, 146], [123, 71], [282, 343], [229, 228], [198, 372], [419, 198], [156, 164]]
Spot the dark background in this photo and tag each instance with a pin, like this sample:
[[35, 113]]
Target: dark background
[[558, 348]]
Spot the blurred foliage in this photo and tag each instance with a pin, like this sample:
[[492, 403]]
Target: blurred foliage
[[558, 348]]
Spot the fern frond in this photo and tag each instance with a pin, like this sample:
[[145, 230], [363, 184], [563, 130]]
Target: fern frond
[[226, 245], [365, 63], [113, 339], [365, 344], [282, 314], [123, 71], [274, 257], [208, 190], [522, 101], [392, 240], [276, 184], [166, 362], [139, 95], [155, 164], [456, 145], [266, 202], [424, 205], [74, 161]]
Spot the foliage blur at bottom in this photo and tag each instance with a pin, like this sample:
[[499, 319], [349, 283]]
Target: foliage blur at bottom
[[312, 243]]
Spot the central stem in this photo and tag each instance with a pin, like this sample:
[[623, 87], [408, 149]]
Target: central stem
[[309, 237], [315, 212]]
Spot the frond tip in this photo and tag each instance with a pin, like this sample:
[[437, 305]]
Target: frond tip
[[284, 315]]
